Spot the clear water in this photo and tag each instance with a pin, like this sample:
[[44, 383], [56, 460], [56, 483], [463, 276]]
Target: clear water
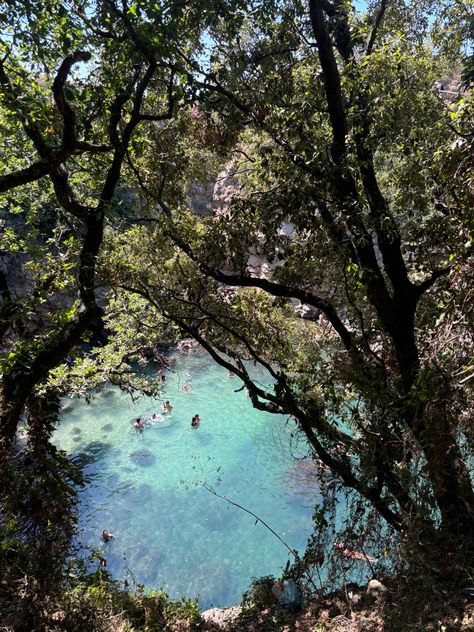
[[147, 489]]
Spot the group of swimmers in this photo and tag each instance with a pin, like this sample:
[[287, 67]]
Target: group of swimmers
[[139, 423]]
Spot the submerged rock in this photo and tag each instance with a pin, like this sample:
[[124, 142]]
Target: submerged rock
[[69, 405], [76, 431], [107, 427], [302, 478], [143, 457], [145, 492]]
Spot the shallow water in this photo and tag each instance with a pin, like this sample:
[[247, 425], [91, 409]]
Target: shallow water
[[147, 488]]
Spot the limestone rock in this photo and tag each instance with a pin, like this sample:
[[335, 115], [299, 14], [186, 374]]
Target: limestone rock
[[221, 616], [356, 599], [200, 198], [375, 590], [225, 190]]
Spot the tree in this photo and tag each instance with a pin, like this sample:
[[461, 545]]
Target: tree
[[342, 135], [66, 148], [131, 87], [350, 194]]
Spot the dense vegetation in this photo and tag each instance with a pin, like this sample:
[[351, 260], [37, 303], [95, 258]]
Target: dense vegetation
[[340, 262]]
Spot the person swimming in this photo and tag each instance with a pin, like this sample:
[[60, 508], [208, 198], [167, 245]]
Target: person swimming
[[186, 387], [354, 555], [167, 407], [138, 424], [196, 420], [107, 535]]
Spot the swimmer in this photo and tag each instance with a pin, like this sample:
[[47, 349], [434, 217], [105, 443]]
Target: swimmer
[[167, 407], [231, 374], [106, 535], [138, 425], [354, 555], [186, 387], [196, 420]]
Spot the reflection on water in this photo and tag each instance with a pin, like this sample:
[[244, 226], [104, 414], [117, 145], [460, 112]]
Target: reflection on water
[[146, 487]]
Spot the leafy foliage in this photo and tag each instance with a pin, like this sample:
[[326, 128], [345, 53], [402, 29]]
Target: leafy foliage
[[337, 258]]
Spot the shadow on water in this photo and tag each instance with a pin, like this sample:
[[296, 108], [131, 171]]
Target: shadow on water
[[69, 405]]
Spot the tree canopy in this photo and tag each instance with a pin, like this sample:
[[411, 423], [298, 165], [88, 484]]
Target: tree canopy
[[339, 263]]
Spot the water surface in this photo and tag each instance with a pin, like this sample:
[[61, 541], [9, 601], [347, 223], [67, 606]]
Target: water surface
[[147, 488]]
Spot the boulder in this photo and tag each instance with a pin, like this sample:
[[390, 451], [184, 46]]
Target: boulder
[[277, 590], [291, 597], [375, 590], [221, 616]]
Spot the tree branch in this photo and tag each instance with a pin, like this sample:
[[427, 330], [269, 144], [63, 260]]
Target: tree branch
[[97, 30], [332, 82], [431, 280], [67, 113], [51, 157], [378, 21]]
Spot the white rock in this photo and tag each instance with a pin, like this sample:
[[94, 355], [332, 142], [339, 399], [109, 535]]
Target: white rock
[[221, 616], [375, 589]]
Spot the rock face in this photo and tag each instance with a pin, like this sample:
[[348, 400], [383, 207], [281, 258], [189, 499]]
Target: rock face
[[305, 311], [225, 190], [200, 199], [215, 199]]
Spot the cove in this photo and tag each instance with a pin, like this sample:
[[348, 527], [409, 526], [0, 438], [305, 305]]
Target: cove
[[146, 488]]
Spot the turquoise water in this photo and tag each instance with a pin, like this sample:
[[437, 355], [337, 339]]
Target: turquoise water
[[147, 488]]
